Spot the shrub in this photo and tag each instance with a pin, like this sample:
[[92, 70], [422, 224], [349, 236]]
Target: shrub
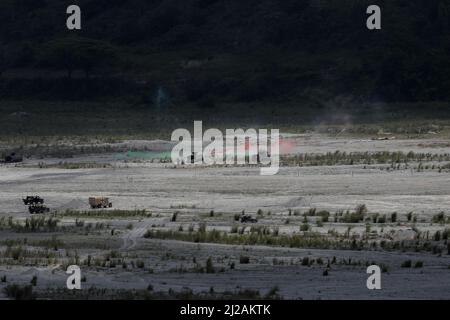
[[305, 261], [34, 281], [437, 236], [244, 260], [353, 217], [409, 216], [381, 219], [209, 266], [418, 264], [202, 228], [439, 218], [324, 215], [174, 217], [406, 264], [17, 292], [273, 293], [304, 227], [361, 209], [445, 234], [140, 264], [394, 217]]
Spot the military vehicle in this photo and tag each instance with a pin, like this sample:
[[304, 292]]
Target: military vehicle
[[99, 202], [32, 200], [38, 208], [248, 218]]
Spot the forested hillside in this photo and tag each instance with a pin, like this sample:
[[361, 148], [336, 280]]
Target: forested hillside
[[207, 52]]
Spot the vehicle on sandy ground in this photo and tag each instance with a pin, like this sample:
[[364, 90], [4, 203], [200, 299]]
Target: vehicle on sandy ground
[[38, 208], [248, 218], [13, 158], [32, 200], [99, 202]]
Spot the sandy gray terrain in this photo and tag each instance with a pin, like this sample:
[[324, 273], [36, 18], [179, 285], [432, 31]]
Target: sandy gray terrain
[[161, 189]]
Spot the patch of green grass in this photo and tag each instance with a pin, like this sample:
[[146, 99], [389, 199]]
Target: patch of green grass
[[396, 159], [74, 165], [105, 214]]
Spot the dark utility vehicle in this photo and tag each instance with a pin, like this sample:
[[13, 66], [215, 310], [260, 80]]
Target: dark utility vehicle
[[33, 200], [38, 208], [248, 218], [35, 204]]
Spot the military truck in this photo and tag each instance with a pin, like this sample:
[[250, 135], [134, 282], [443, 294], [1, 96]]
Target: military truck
[[38, 208], [35, 204], [248, 218], [99, 202], [29, 200]]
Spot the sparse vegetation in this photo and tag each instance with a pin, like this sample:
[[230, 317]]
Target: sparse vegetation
[[394, 217], [34, 281], [406, 264], [72, 165], [18, 292], [209, 267], [397, 160], [33, 224], [304, 227], [104, 214], [244, 260], [439, 218]]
